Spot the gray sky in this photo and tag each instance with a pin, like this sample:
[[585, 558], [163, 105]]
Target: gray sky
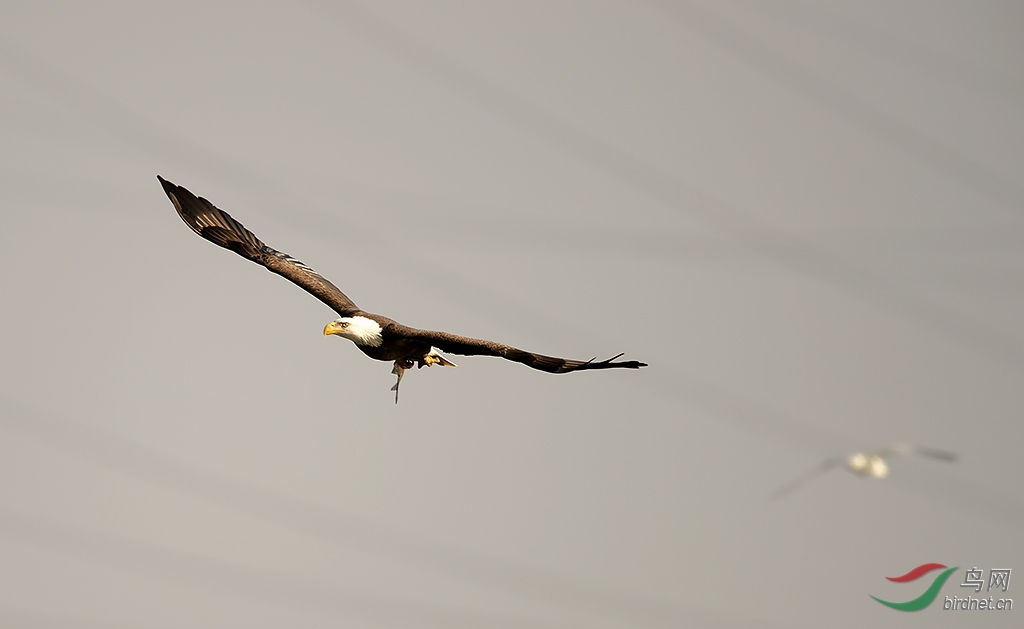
[[808, 218]]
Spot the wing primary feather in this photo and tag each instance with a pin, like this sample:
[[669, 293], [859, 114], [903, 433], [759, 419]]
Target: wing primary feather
[[941, 455], [217, 226]]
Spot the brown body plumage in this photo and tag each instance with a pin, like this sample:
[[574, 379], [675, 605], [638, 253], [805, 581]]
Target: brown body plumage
[[377, 336]]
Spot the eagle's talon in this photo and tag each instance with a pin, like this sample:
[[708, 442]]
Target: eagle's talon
[[434, 358]]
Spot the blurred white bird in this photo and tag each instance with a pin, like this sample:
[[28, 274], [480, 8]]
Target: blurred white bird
[[871, 464]]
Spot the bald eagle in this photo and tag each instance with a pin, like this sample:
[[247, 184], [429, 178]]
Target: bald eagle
[[376, 336]]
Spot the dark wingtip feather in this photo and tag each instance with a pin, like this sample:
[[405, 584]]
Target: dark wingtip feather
[[167, 185], [603, 364], [626, 364]]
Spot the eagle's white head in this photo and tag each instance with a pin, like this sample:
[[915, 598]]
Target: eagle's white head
[[359, 330]]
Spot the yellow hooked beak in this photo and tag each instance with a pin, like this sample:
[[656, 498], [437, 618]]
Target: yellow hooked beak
[[331, 328]]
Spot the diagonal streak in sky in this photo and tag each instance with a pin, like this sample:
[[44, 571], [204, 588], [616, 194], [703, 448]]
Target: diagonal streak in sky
[[344, 529], [829, 96], [757, 234]]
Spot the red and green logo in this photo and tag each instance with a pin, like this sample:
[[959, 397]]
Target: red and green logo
[[929, 595]]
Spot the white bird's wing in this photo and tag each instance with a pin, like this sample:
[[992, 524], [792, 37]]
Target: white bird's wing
[[806, 477], [902, 449]]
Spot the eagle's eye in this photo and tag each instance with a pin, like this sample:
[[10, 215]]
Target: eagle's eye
[[344, 324]]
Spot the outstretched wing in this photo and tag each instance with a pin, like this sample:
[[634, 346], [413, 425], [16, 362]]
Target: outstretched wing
[[902, 449], [218, 227], [805, 478], [465, 346]]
